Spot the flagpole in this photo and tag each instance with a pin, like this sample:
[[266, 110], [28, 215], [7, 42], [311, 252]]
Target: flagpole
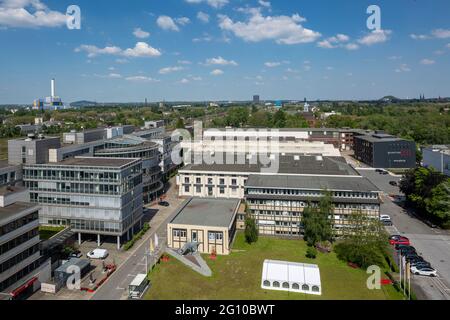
[[400, 265]]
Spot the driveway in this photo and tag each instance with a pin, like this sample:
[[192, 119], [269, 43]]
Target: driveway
[[432, 244]]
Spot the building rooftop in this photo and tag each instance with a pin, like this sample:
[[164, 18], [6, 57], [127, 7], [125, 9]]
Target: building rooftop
[[288, 164], [6, 213], [311, 183], [379, 138], [93, 162], [207, 212], [7, 190]]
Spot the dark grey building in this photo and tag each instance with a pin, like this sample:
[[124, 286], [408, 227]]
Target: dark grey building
[[381, 150], [31, 150]]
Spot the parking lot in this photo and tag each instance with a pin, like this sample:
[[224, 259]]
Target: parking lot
[[432, 244]]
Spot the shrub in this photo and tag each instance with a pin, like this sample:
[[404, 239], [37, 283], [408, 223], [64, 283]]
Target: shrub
[[311, 253], [251, 231], [127, 246]]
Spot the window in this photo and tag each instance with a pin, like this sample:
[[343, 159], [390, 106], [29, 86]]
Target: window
[[305, 287], [296, 286], [276, 284], [222, 190], [215, 236], [315, 289], [285, 285], [186, 180], [179, 233], [198, 189], [266, 283]]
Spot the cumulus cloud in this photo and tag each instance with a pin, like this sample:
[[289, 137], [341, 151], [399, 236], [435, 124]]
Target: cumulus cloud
[[217, 4], [403, 68], [220, 61], [281, 29], [216, 72], [141, 79], [203, 17], [183, 21], [141, 34], [29, 14], [141, 49], [272, 64], [167, 23], [338, 41], [427, 62], [419, 36], [265, 4], [170, 69], [374, 37]]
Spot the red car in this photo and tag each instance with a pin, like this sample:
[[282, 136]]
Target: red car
[[400, 240]]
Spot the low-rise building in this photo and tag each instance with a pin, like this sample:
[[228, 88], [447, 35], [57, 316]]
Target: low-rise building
[[31, 150], [9, 174], [437, 157], [211, 223], [381, 150]]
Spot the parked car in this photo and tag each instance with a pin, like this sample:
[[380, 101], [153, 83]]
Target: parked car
[[76, 254], [379, 170], [164, 204], [401, 240], [430, 224], [425, 271], [421, 264], [393, 183], [407, 250], [385, 217], [387, 223], [98, 254]]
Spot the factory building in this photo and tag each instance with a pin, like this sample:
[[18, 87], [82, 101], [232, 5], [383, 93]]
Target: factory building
[[49, 103]]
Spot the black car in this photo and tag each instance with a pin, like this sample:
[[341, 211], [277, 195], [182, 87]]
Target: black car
[[414, 258], [393, 183], [407, 251], [164, 204], [401, 246], [76, 254], [421, 264], [387, 223]]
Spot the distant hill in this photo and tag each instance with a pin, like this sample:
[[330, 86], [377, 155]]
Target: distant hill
[[390, 98], [83, 103]]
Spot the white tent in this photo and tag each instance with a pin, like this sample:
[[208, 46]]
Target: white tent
[[292, 277]]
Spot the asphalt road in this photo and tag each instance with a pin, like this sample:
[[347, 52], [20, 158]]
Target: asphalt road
[[116, 287], [432, 244]]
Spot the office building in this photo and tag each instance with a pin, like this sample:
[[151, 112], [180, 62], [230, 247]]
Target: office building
[[211, 223], [31, 150], [84, 136], [99, 196], [21, 268], [9, 174], [256, 99], [381, 150], [437, 157]]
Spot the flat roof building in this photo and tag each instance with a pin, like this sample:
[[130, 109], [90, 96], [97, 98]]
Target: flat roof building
[[101, 196], [381, 150], [31, 150], [209, 222], [437, 157]]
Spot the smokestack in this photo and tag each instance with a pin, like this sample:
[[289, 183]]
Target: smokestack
[[53, 88]]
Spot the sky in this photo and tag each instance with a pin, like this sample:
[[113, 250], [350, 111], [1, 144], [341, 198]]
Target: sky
[[208, 50]]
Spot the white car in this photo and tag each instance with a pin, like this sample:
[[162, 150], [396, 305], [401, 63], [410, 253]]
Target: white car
[[385, 217], [98, 254], [425, 271]]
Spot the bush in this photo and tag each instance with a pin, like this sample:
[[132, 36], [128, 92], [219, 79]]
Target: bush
[[311, 253], [251, 231], [127, 246], [363, 255]]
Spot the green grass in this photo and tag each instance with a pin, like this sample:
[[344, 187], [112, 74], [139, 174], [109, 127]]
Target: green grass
[[238, 276], [46, 232]]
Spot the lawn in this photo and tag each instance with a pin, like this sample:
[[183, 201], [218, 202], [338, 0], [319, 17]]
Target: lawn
[[238, 276], [46, 232]]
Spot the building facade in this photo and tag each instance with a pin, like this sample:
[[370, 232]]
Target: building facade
[[97, 196], [20, 258], [437, 157], [380, 150], [32, 150]]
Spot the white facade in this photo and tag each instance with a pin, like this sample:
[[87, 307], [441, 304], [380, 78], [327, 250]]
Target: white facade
[[291, 277]]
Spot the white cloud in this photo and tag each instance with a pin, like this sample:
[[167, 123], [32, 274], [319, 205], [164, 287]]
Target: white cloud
[[203, 17], [184, 81], [403, 68], [427, 62], [338, 41], [141, 79], [265, 4], [141, 34], [197, 78], [395, 58], [183, 21], [205, 38], [282, 29], [216, 72], [184, 62], [441, 33], [29, 14], [351, 46], [272, 64], [220, 62], [170, 70], [376, 36], [141, 49], [419, 36], [167, 23], [217, 4]]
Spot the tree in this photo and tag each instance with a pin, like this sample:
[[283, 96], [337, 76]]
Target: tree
[[317, 223], [180, 124], [251, 230], [363, 242], [439, 202]]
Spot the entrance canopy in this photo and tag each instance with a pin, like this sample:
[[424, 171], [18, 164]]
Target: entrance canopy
[[291, 276]]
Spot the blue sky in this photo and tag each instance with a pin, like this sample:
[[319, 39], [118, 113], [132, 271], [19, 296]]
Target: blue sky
[[223, 50]]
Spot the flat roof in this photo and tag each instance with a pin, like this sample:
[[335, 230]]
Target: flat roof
[[311, 183], [6, 190], [14, 209], [207, 212], [379, 138], [93, 162], [288, 164]]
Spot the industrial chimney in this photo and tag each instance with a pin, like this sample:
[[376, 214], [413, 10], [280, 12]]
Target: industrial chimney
[[53, 88]]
